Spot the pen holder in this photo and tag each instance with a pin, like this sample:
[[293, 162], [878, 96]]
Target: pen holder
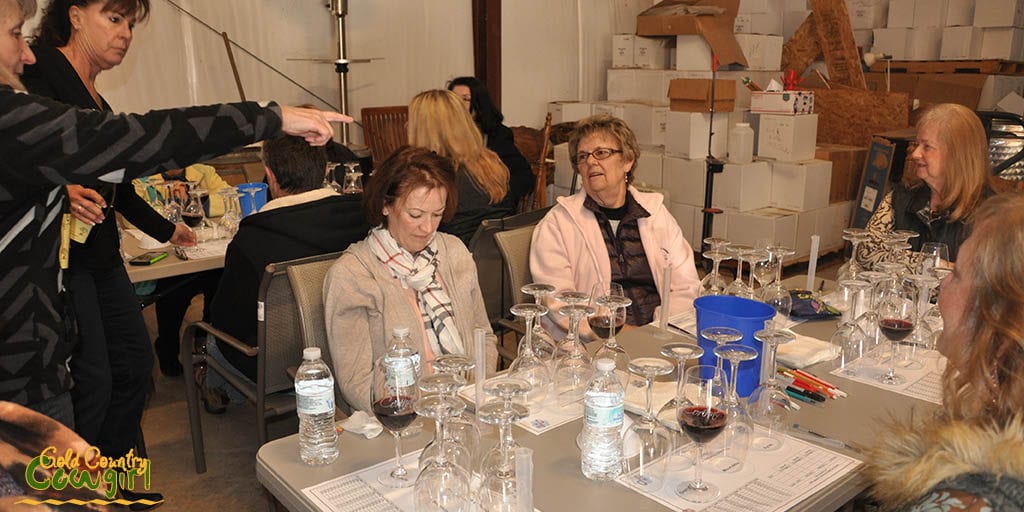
[[745, 315]]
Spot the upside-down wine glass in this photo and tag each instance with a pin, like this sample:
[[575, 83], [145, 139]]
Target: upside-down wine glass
[[737, 287], [509, 392], [648, 467], [442, 484], [768, 404], [611, 302], [543, 345], [714, 283], [462, 428], [353, 179], [849, 342], [573, 366], [720, 336], [730, 448], [774, 294], [393, 393], [331, 178], [499, 486], [702, 416], [852, 268], [922, 337], [443, 386], [527, 365]]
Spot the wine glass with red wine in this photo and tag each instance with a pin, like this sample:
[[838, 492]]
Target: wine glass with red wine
[[393, 395], [702, 414], [896, 317]]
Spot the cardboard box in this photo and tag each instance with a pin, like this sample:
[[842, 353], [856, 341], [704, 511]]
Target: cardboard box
[[996, 87], [655, 190], [638, 85], [998, 13], [622, 50], [642, 118], [563, 167], [960, 43], [651, 52], [785, 102], [1002, 43], [743, 187], [694, 95], [901, 14], [930, 13], [960, 13], [658, 121], [751, 6], [868, 14], [1012, 103], [795, 5], [787, 138], [568, 111], [648, 170], [768, 23], [801, 186], [772, 225], [762, 52], [669, 18], [791, 20], [890, 41], [692, 53], [685, 179], [847, 168], [742, 93], [686, 135], [925, 43]]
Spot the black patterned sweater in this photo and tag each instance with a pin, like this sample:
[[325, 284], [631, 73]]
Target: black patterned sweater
[[45, 145]]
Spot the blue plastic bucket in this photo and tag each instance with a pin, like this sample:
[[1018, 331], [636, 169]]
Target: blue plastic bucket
[[246, 199], [745, 315]]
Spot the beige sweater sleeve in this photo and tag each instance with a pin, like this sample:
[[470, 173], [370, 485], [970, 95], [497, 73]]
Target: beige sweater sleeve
[[351, 298]]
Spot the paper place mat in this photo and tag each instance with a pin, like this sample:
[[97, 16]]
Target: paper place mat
[[360, 492], [768, 482], [923, 383], [210, 249], [550, 416]]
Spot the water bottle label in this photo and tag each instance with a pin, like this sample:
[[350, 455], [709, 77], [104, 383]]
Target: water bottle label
[[314, 401], [400, 372], [603, 415]]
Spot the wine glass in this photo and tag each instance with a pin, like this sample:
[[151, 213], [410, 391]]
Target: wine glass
[[193, 213], [681, 353], [611, 302], [232, 216], [714, 283], [774, 294], [461, 428], [330, 178], [443, 385], [737, 287], [896, 321], [852, 267], [762, 267], [702, 416], [721, 336], [868, 319], [353, 179], [730, 448], [543, 345], [768, 404], [573, 366], [849, 342], [442, 485], [393, 394], [499, 485], [527, 365], [647, 468], [922, 337]]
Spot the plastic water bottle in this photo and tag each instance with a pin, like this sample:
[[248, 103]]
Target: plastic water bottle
[[741, 144], [601, 441], [314, 395], [401, 344]]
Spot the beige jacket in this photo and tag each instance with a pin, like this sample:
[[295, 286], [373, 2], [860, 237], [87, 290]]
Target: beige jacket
[[363, 302]]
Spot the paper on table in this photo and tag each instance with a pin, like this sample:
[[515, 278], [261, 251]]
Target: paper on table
[[923, 383], [804, 351], [550, 415], [210, 249]]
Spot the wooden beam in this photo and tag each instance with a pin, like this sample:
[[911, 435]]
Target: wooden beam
[[835, 38], [802, 49], [487, 45]]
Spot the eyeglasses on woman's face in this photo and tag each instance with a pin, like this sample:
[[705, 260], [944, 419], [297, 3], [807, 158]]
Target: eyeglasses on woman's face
[[598, 154]]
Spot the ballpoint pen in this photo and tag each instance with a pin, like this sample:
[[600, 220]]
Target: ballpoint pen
[[811, 435]]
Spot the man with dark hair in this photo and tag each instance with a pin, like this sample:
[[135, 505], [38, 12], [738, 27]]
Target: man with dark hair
[[304, 219]]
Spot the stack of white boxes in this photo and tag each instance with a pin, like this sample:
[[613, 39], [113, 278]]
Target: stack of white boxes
[[865, 16], [946, 29]]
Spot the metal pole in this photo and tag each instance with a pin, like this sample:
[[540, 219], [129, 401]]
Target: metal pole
[[339, 8]]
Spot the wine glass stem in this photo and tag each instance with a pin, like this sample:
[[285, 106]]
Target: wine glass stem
[[772, 347], [527, 348], [698, 477], [733, 395], [399, 471], [778, 271], [649, 408]]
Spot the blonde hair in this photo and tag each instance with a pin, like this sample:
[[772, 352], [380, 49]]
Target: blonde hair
[[984, 380], [967, 172], [439, 122], [25, 9]]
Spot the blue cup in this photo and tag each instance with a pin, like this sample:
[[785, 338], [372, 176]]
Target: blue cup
[[246, 199], [745, 315]]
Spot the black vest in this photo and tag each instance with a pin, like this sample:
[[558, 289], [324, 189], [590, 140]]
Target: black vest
[[911, 211]]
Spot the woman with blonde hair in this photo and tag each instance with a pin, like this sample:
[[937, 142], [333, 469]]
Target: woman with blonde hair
[[952, 178], [970, 455], [439, 122]]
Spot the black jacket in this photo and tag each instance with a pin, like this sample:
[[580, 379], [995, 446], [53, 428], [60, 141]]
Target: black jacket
[[910, 210], [45, 145], [308, 229], [520, 174], [54, 77], [474, 207]]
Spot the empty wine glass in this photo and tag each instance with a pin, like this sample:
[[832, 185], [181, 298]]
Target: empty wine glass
[[506, 390], [573, 366], [499, 487], [527, 365], [852, 267], [353, 179], [331, 178], [768, 404], [774, 294], [896, 321], [648, 467], [702, 417], [443, 385], [610, 316], [462, 428], [232, 215], [737, 287], [714, 283], [172, 207], [442, 485], [762, 267], [868, 319], [720, 336], [922, 337], [543, 345], [730, 448], [849, 342], [393, 394]]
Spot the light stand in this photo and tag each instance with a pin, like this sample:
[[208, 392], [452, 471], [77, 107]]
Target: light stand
[[713, 165], [339, 8]]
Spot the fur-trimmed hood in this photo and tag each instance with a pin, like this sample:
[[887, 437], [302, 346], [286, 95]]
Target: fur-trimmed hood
[[910, 460]]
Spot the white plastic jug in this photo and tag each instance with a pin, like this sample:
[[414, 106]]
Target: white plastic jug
[[741, 144]]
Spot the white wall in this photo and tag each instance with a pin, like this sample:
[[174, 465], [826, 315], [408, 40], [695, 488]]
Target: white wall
[[420, 44]]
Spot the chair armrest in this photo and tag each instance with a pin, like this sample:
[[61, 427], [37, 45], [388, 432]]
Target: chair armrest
[[292, 371], [235, 343]]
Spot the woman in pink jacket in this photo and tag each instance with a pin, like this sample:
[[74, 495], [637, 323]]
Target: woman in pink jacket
[[610, 231]]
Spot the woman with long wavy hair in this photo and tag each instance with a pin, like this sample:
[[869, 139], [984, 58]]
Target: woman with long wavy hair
[[439, 122]]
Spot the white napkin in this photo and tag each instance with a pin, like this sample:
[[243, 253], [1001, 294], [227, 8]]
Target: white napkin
[[804, 351], [636, 397], [363, 424]]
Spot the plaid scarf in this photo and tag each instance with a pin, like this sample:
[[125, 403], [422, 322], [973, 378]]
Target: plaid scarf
[[419, 272]]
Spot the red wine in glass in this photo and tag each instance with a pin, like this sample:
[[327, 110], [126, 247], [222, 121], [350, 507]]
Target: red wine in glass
[[702, 424], [602, 325], [192, 221], [394, 412], [895, 329]]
